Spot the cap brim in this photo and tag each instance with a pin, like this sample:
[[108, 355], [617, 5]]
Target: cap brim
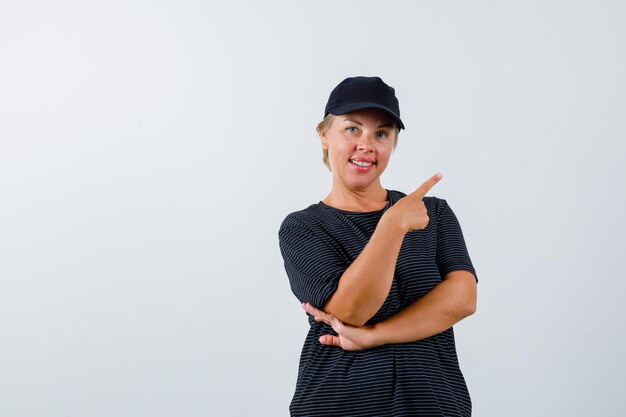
[[349, 108]]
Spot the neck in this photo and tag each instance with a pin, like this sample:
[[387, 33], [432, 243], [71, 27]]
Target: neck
[[371, 198]]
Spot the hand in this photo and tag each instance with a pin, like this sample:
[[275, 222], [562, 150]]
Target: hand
[[349, 337], [410, 212]]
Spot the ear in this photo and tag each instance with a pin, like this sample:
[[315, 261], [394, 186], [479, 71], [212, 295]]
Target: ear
[[324, 140]]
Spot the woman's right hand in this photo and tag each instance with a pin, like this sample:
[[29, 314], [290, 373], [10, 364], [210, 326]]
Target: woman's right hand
[[409, 213], [348, 337]]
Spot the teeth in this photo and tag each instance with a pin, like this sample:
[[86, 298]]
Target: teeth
[[361, 163]]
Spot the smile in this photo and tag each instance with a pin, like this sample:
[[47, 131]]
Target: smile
[[362, 163]]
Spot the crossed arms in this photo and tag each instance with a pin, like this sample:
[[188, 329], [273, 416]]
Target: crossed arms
[[364, 286]]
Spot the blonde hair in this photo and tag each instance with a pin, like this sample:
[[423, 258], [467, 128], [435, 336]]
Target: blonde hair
[[324, 126]]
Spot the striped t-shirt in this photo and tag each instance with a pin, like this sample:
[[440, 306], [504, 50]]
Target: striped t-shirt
[[420, 378]]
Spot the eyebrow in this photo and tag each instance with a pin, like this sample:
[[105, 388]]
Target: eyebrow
[[386, 124]]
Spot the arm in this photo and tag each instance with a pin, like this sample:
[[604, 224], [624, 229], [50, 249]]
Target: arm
[[445, 305], [364, 286]]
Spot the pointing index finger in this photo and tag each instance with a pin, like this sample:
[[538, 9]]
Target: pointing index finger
[[426, 186]]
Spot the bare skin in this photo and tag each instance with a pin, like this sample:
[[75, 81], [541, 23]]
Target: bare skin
[[445, 305], [364, 286], [359, 146]]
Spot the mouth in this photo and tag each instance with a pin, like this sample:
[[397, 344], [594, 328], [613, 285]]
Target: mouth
[[362, 163]]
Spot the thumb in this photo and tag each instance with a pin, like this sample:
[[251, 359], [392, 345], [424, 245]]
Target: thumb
[[330, 340]]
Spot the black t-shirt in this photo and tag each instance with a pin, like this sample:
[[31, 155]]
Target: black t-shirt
[[420, 378]]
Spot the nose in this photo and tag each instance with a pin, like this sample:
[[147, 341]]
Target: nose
[[366, 143]]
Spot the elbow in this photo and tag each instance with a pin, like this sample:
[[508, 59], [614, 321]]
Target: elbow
[[468, 308], [464, 307], [467, 298], [352, 318], [356, 321], [351, 313]]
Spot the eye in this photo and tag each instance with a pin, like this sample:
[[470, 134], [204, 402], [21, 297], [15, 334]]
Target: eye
[[383, 134], [351, 129]]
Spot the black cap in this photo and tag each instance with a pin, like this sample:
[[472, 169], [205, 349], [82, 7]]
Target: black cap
[[358, 93]]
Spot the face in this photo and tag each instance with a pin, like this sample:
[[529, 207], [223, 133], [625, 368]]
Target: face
[[359, 146]]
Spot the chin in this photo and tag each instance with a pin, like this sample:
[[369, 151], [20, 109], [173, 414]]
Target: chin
[[361, 183]]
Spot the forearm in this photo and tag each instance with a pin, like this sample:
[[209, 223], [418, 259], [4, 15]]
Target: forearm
[[445, 305], [364, 286]]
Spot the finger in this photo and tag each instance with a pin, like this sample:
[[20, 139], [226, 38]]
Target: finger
[[325, 319], [330, 320], [330, 340], [335, 323], [319, 315], [426, 186], [312, 310]]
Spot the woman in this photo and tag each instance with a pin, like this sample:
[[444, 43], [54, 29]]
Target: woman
[[383, 275]]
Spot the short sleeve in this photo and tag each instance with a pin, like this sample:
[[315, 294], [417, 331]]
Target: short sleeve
[[452, 252], [313, 266]]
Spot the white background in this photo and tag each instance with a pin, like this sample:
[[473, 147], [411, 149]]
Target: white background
[[149, 151]]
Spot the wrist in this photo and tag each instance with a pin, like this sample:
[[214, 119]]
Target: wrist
[[375, 335], [389, 221]]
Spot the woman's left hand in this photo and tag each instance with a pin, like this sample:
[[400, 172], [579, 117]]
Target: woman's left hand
[[349, 337]]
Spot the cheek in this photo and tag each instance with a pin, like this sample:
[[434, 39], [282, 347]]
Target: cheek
[[384, 151], [340, 148]]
